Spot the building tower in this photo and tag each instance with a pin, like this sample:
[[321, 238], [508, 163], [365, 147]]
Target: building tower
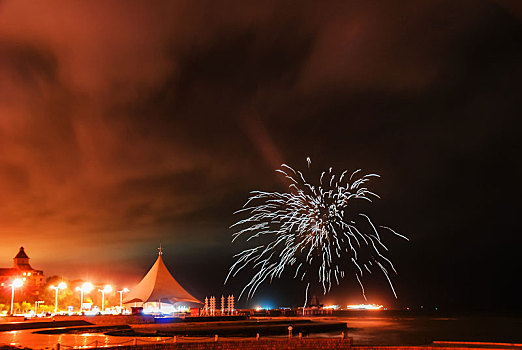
[[21, 261], [33, 279]]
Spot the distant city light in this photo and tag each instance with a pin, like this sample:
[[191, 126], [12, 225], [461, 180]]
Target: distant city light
[[331, 307], [365, 307], [265, 307]]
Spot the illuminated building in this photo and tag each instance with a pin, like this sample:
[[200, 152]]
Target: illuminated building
[[32, 279], [157, 288]]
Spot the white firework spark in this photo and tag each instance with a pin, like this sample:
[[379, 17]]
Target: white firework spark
[[312, 230]]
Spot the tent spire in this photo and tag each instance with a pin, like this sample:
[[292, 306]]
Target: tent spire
[[160, 250]]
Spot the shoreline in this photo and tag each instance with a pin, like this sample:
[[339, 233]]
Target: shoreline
[[370, 331]]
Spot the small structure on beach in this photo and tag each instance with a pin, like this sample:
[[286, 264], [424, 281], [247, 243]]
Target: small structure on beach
[[159, 286]]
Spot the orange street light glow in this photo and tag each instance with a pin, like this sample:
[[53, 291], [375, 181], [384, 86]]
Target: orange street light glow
[[61, 285], [17, 283], [85, 288], [106, 289]]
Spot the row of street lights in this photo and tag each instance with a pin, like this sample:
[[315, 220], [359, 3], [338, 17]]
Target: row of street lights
[[86, 288]]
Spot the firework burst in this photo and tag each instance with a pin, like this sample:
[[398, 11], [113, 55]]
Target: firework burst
[[313, 231]]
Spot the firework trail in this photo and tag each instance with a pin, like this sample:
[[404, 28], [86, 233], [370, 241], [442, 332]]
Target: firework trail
[[313, 231]]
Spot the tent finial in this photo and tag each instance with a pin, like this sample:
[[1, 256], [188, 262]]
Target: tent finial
[[160, 250]]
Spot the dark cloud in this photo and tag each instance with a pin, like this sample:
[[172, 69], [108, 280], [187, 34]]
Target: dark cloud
[[123, 124]]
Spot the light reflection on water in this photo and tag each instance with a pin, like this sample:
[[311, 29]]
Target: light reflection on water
[[365, 330], [394, 330]]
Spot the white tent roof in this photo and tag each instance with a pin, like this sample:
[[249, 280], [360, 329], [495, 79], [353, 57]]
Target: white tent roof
[[159, 285]]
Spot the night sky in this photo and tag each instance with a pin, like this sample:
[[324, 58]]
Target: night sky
[[124, 124]]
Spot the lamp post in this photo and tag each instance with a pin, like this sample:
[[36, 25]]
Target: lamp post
[[36, 304], [17, 283], [106, 289], [124, 290], [62, 285], [85, 288]]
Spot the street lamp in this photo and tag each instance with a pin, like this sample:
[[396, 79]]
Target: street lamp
[[62, 285], [85, 288], [106, 289], [36, 304], [17, 283], [124, 290]]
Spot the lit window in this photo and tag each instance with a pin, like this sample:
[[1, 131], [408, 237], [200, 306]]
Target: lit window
[[23, 278], [24, 274], [28, 274]]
